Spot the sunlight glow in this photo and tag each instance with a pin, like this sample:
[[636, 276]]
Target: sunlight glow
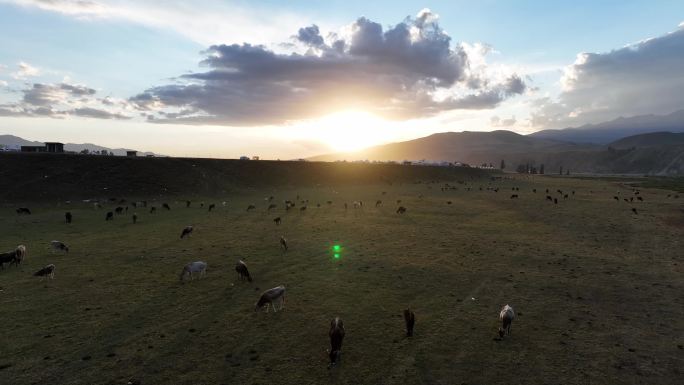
[[351, 130]]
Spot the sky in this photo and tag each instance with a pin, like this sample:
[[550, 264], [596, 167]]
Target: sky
[[284, 80]]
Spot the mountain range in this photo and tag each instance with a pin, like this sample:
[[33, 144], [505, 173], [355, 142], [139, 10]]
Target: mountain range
[[607, 132], [15, 142], [610, 147]]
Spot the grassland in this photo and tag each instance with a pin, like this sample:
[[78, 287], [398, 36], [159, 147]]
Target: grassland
[[598, 290]]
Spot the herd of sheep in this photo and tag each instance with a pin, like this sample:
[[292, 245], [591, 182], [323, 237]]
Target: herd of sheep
[[275, 298]]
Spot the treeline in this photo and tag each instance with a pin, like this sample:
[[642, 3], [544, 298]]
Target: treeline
[[532, 168]]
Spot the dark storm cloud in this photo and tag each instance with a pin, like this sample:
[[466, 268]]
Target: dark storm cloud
[[643, 78], [394, 73]]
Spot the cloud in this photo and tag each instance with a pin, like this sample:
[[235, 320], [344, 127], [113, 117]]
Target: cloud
[[495, 121], [43, 95], [61, 100], [89, 112], [310, 36], [212, 22], [642, 78], [25, 70], [409, 70]]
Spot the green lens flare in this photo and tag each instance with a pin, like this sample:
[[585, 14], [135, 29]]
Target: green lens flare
[[336, 248], [336, 256]]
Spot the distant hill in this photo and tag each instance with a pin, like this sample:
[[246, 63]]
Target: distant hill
[[657, 154], [607, 132], [468, 147], [11, 141], [15, 142], [650, 140]]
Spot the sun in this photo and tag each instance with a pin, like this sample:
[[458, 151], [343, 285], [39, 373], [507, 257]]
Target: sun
[[352, 130]]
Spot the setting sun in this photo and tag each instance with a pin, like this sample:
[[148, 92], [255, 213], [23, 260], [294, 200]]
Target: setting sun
[[350, 130]]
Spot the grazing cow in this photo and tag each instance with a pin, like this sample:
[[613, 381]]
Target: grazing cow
[[47, 271], [23, 210], [410, 320], [283, 243], [378, 203], [506, 317], [198, 267], [302, 209], [59, 246], [639, 198], [109, 216], [135, 218], [616, 199], [549, 198], [186, 232], [211, 207], [514, 196], [634, 210], [67, 217], [187, 204], [271, 207], [242, 271], [565, 196], [401, 210], [625, 199], [119, 210], [166, 206], [153, 210], [336, 334], [277, 220], [251, 207], [269, 297]]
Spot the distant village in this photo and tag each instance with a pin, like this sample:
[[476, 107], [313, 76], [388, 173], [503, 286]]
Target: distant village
[[58, 148]]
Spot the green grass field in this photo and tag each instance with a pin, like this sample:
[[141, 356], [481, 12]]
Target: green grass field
[[597, 289]]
